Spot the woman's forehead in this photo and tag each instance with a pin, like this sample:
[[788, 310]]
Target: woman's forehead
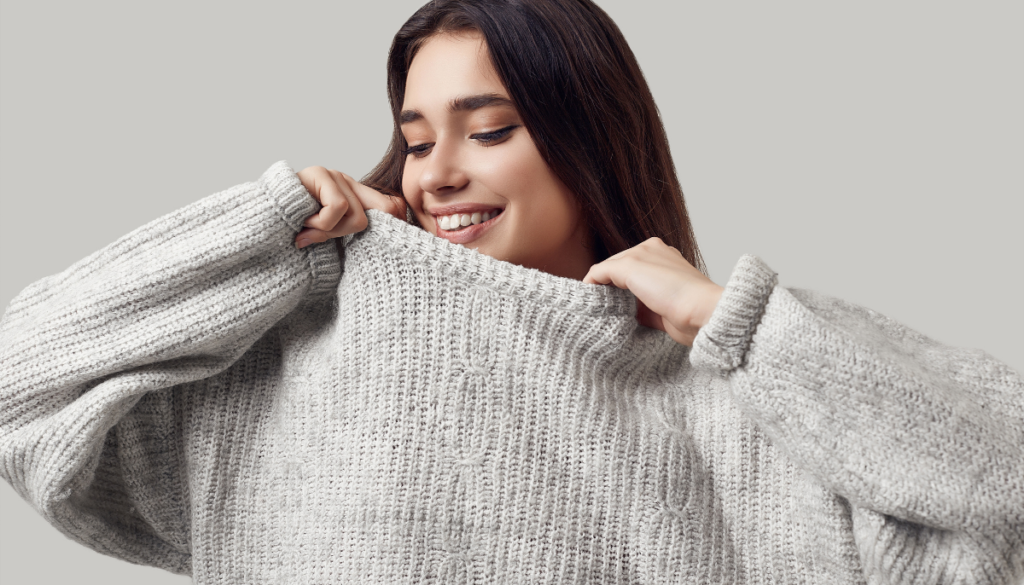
[[448, 67]]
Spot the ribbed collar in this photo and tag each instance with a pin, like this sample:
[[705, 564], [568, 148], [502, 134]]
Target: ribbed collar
[[458, 262]]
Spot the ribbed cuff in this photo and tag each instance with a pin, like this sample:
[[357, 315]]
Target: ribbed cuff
[[295, 204], [293, 201], [722, 343]]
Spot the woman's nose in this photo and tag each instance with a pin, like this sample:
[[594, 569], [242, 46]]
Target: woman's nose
[[443, 172]]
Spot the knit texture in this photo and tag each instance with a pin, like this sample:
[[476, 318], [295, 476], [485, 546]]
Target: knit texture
[[204, 397]]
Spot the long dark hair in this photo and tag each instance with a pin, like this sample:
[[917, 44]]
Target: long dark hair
[[584, 101]]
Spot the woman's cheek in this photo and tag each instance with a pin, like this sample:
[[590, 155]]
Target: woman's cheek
[[511, 167]]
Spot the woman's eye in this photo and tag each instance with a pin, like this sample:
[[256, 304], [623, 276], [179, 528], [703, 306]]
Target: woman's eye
[[418, 150], [488, 138], [485, 138]]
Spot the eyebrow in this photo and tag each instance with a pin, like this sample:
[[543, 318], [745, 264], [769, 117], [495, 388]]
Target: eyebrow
[[460, 104]]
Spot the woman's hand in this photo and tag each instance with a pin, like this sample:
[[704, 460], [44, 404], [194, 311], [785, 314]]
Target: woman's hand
[[673, 295], [344, 201]]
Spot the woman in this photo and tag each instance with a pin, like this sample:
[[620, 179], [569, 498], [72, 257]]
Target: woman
[[455, 417]]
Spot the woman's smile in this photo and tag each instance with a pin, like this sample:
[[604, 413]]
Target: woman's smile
[[464, 223]]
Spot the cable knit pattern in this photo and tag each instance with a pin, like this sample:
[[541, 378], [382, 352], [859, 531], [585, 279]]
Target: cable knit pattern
[[204, 397]]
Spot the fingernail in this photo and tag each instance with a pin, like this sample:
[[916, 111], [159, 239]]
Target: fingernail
[[303, 243]]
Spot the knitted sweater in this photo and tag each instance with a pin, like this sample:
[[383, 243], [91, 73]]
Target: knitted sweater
[[204, 397]]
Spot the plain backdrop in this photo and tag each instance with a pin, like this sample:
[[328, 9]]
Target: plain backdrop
[[870, 150]]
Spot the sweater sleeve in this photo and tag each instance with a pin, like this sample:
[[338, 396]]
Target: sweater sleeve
[[925, 441], [173, 302]]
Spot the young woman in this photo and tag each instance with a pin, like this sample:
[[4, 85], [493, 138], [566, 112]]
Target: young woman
[[227, 393]]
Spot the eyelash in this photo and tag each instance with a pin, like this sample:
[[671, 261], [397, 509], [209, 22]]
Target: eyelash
[[486, 138]]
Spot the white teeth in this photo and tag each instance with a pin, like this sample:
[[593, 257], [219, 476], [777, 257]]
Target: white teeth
[[460, 220]]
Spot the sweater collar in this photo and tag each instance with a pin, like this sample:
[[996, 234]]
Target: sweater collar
[[458, 262]]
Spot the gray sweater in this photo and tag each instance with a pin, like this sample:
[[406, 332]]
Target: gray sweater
[[204, 397]]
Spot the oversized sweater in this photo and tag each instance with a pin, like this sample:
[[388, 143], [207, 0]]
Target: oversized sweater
[[204, 397]]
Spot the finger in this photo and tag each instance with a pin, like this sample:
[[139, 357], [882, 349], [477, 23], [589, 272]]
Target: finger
[[592, 278], [651, 281], [370, 198], [335, 204], [612, 271], [354, 221], [310, 236], [652, 248], [311, 178], [597, 274], [643, 279]]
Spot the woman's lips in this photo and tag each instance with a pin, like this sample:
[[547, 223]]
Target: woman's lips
[[467, 234]]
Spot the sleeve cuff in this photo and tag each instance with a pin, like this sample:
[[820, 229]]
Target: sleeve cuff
[[295, 204], [293, 201], [722, 343]]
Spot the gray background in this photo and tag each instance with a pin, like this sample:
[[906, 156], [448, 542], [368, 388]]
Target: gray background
[[870, 150]]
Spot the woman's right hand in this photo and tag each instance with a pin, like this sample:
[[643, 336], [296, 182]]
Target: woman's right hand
[[344, 200]]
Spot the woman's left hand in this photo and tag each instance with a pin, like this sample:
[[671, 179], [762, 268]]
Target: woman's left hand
[[672, 295]]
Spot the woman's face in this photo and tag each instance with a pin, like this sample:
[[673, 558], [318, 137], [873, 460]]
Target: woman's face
[[471, 161]]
